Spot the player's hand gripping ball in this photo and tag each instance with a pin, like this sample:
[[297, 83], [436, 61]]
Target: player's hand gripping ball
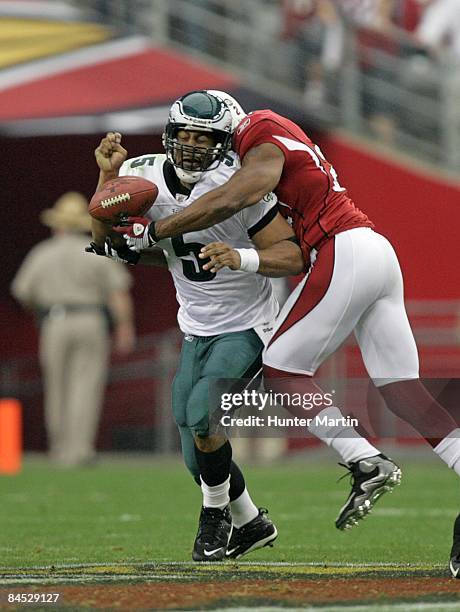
[[122, 197]]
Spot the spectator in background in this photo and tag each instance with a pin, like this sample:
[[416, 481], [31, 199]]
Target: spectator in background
[[369, 21], [72, 294], [302, 33], [408, 14], [295, 14], [439, 28], [127, 16], [431, 68], [196, 27]]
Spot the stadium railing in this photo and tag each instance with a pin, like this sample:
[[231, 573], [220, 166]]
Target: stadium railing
[[381, 86]]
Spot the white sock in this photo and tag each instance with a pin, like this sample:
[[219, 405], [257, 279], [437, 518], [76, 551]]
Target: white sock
[[341, 437], [217, 496], [243, 509], [449, 450]]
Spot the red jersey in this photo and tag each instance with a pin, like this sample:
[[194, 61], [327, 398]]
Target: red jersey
[[309, 193]]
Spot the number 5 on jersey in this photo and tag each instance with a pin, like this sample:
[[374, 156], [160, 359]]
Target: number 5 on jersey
[[193, 270]]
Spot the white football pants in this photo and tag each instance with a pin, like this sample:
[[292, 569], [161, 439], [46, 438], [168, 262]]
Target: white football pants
[[355, 284]]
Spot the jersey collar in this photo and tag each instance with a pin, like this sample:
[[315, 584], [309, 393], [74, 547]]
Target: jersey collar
[[172, 182]]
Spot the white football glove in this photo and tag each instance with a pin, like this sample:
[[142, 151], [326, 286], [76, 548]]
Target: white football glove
[[138, 232]]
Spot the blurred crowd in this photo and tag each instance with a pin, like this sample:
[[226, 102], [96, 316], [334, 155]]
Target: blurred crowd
[[425, 26], [417, 36], [401, 50], [422, 27]]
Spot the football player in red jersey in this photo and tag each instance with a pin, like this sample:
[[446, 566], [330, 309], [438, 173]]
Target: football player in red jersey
[[353, 283]]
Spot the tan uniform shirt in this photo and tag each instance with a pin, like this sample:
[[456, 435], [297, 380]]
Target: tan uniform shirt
[[58, 271]]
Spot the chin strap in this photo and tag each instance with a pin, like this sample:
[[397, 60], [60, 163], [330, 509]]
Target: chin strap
[[186, 176]]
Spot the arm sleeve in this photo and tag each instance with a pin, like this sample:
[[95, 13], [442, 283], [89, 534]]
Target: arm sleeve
[[262, 132], [256, 217]]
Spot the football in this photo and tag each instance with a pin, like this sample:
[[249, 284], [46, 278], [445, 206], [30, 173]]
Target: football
[[124, 196]]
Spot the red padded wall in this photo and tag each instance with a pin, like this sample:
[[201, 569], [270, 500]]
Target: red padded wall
[[418, 211]]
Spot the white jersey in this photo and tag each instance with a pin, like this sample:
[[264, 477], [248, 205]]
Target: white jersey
[[210, 303]]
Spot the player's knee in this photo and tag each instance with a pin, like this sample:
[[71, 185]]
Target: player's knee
[[288, 384], [209, 443]]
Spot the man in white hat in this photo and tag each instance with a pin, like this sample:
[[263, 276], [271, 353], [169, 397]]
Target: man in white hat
[[71, 293]]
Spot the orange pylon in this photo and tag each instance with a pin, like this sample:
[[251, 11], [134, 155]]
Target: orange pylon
[[10, 436]]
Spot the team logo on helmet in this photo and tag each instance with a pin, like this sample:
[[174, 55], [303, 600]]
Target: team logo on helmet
[[235, 108], [198, 111]]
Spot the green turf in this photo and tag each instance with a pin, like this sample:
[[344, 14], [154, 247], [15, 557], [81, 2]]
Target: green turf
[[145, 511]]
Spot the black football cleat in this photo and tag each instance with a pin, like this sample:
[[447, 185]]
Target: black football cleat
[[257, 533], [370, 479], [214, 531], [454, 564]]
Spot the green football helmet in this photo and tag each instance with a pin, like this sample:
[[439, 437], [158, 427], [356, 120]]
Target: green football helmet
[[198, 111]]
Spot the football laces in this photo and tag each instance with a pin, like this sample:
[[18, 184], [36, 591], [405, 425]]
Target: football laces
[[118, 199]]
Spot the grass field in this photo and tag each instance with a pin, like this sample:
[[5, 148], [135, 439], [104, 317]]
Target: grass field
[[136, 520]]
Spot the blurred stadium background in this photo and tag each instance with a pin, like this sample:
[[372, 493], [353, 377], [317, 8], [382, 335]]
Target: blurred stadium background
[[384, 108]]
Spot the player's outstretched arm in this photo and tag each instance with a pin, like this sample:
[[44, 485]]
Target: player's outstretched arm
[[260, 173], [277, 252]]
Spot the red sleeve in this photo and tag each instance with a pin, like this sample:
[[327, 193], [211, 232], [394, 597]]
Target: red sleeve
[[251, 135]]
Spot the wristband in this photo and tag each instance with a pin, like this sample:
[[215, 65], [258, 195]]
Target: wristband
[[249, 260]]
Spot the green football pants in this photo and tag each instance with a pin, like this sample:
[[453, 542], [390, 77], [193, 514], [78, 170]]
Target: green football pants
[[202, 361]]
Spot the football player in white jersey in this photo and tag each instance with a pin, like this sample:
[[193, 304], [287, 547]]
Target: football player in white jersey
[[223, 316]]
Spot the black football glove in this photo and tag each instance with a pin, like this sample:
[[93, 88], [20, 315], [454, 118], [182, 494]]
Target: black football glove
[[122, 254]]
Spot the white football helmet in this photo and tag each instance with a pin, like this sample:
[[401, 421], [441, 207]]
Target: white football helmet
[[234, 107], [197, 111]]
